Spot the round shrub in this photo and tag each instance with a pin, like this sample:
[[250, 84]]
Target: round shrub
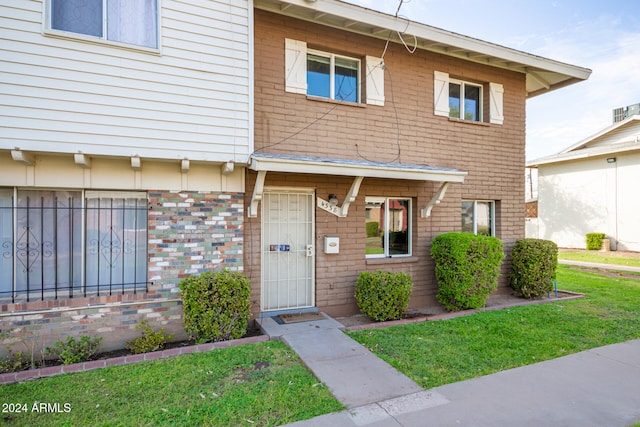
[[383, 295], [467, 269], [594, 241], [533, 267], [217, 305]]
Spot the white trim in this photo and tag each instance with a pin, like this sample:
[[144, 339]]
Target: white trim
[[440, 94], [385, 248], [585, 153], [463, 84], [375, 80], [496, 108], [295, 66], [436, 199], [492, 214], [332, 73], [250, 83]]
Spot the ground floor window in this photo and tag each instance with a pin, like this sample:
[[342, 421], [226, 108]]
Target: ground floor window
[[478, 217], [388, 227], [66, 243]]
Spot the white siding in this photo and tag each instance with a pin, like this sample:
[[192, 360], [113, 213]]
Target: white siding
[[626, 133], [191, 99]]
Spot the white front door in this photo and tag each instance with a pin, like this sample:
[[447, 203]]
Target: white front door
[[288, 254]]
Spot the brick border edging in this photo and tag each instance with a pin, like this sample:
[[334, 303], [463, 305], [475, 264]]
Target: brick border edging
[[451, 315], [32, 374]]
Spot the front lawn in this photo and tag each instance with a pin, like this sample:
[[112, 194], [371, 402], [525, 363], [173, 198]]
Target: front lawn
[[252, 385], [442, 352], [630, 259]]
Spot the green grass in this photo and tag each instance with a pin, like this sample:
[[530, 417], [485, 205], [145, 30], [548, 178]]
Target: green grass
[[252, 385], [601, 257], [442, 352]]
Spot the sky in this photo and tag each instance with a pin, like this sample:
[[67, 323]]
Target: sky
[[602, 35]]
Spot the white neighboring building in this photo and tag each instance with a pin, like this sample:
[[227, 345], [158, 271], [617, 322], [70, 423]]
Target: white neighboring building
[[125, 130], [592, 186]]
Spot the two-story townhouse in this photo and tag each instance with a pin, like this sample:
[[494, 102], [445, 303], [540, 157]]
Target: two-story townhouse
[[373, 134], [125, 131]]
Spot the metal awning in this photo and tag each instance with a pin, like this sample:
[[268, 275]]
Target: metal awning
[[359, 169]]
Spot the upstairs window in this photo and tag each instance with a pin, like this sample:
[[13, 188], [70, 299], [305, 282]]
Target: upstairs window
[[327, 75], [332, 76], [465, 101], [125, 21]]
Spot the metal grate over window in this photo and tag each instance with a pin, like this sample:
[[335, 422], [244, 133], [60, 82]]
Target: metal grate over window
[[58, 244]]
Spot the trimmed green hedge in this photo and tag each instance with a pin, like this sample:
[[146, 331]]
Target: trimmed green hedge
[[533, 267], [594, 241], [467, 269], [217, 306], [383, 295]]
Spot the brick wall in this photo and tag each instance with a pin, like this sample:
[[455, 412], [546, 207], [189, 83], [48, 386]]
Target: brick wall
[[403, 130], [189, 233]]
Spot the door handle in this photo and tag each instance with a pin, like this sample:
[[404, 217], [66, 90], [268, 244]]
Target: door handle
[[309, 250]]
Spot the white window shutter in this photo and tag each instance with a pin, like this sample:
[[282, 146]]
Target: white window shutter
[[496, 110], [440, 93], [375, 81], [296, 66]]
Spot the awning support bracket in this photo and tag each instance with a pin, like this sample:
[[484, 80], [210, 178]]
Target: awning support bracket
[[258, 189], [351, 195], [437, 198]]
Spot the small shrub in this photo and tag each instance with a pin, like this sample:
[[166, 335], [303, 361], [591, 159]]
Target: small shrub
[[383, 295], [149, 341], [14, 362], [594, 241], [217, 306], [373, 228], [467, 269], [74, 351], [533, 267], [31, 342]]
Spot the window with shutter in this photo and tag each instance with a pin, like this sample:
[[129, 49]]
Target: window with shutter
[[463, 100], [327, 75]]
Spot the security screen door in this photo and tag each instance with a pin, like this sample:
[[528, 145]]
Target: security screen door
[[288, 254]]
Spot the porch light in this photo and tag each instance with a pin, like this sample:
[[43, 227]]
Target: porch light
[[333, 199]]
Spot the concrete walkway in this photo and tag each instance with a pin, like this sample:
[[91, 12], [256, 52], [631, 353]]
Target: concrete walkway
[[355, 376], [593, 388], [599, 265]]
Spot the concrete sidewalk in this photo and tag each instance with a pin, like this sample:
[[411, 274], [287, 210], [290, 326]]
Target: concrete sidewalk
[[597, 387]]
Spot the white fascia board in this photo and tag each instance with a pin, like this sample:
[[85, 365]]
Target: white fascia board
[[511, 58], [586, 153], [347, 169], [238, 155]]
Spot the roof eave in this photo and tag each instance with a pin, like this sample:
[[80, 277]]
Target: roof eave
[[356, 19], [293, 165]]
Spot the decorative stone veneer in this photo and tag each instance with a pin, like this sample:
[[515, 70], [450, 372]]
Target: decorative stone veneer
[[189, 233]]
